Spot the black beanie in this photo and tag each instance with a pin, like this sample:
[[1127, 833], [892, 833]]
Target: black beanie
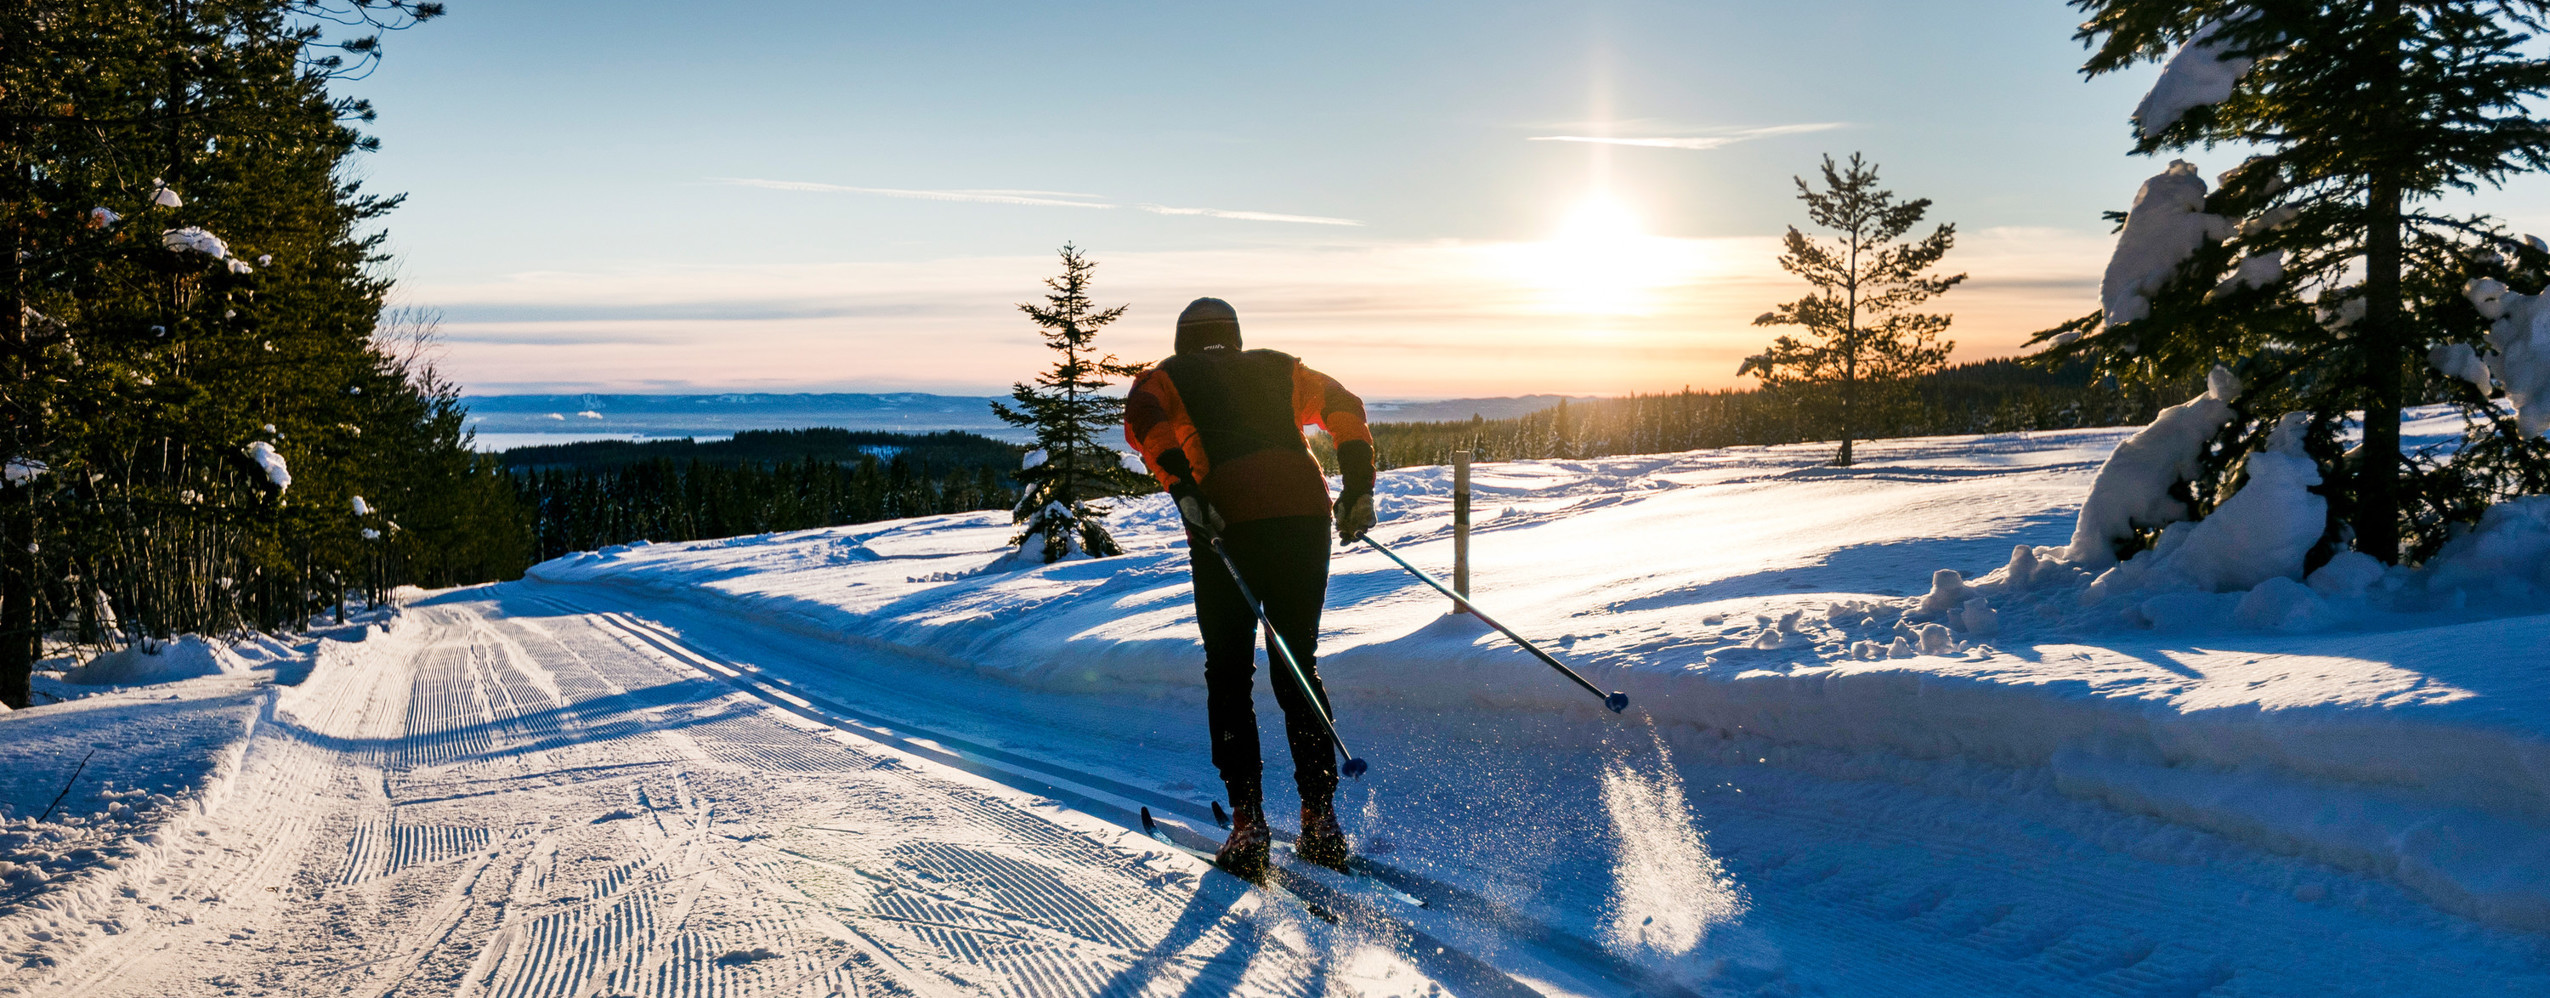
[[1208, 322]]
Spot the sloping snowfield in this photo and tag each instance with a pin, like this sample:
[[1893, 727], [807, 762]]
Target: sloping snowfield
[[883, 759]]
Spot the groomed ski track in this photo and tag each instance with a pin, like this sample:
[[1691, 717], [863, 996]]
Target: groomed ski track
[[515, 798], [540, 789]]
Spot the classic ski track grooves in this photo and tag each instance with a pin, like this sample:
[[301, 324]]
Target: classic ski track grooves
[[1120, 804], [499, 806]]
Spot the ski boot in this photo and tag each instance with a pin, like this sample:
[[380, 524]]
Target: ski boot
[[1246, 853], [1322, 841]]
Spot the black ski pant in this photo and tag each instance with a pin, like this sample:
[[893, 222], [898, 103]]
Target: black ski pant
[[1284, 560]]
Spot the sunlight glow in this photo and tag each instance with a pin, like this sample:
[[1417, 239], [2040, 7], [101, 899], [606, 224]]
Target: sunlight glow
[[1601, 262]]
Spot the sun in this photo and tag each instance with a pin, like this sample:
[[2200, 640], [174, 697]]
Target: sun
[[1601, 261]]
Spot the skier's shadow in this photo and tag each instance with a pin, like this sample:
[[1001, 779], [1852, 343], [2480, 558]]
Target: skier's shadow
[[1215, 975]]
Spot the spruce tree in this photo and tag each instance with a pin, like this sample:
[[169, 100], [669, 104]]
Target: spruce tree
[[1863, 337], [2326, 274], [1069, 467], [186, 274]]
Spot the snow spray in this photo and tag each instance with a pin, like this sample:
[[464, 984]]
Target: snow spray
[[1667, 890]]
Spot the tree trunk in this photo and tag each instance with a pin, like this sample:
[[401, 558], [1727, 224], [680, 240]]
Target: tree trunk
[[2377, 499], [21, 641]]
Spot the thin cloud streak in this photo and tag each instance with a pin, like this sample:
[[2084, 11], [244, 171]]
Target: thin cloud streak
[[1247, 216], [1726, 138], [1040, 199]]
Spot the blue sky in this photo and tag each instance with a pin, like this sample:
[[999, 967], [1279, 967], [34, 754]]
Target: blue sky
[[683, 196]]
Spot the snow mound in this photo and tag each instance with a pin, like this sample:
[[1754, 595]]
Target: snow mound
[[2132, 489], [2261, 532], [21, 470], [2167, 224], [2508, 554], [2199, 75], [145, 663]]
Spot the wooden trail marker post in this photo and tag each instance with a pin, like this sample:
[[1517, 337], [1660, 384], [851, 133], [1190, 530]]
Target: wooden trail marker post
[[1460, 526]]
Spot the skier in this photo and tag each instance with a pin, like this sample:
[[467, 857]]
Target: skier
[[1221, 428]]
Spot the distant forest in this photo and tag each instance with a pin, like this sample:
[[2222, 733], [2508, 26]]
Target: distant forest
[[1992, 396], [581, 496]]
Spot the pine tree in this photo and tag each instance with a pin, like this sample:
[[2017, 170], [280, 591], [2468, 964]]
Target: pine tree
[[186, 271], [1863, 336], [1069, 467], [2327, 276]]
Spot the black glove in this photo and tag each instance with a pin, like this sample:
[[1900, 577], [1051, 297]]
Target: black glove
[[1198, 513], [1354, 501], [1200, 516], [1354, 515]]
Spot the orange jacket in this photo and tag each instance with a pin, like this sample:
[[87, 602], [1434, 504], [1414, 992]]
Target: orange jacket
[[1230, 422]]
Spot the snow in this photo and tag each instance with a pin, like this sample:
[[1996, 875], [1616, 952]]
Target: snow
[[875, 749], [2458, 360], [1033, 459], [2219, 658], [2199, 75], [195, 239], [2519, 343], [164, 197], [2259, 533], [2257, 270], [101, 218], [149, 662], [21, 470], [2167, 225], [362, 508], [1133, 462], [588, 414], [271, 462], [2131, 491]]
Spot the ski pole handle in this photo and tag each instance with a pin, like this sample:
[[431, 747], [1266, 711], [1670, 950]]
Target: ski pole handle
[[1616, 700]]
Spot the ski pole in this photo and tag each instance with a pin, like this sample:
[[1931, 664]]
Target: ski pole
[[1276, 648], [1616, 700]]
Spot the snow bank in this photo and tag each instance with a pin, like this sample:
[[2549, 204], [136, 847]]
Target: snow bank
[[2508, 554], [2166, 226], [2132, 491], [149, 662], [157, 772], [2199, 75]]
